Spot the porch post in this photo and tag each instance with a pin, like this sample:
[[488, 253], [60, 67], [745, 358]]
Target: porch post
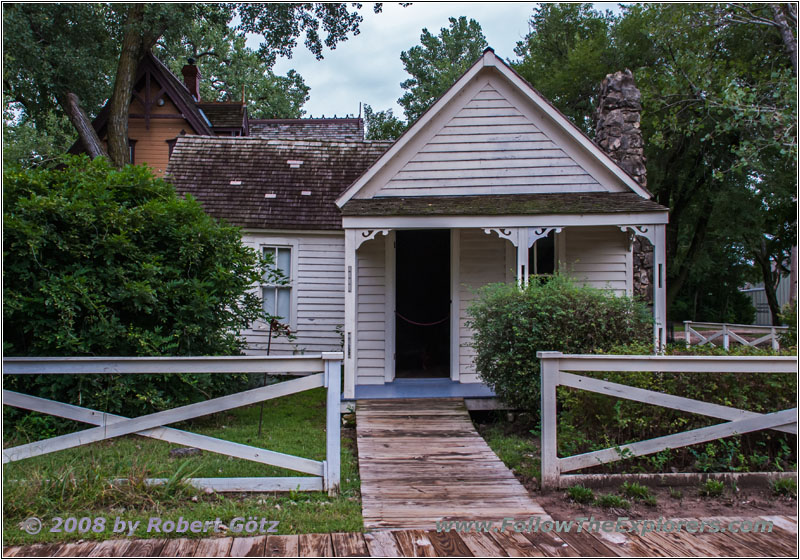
[[523, 269], [350, 287], [660, 287]]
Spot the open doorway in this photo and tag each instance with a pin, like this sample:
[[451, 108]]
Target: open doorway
[[422, 319]]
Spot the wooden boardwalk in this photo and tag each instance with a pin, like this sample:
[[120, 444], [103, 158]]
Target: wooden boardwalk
[[782, 541], [421, 461]]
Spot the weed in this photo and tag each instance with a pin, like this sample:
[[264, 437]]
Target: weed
[[712, 488], [650, 501], [675, 494], [635, 491], [580, 494], [784, 487], [612, 501]]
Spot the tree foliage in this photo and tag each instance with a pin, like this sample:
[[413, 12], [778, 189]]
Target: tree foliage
[[438, 62], [719, 122], [382, 125], [49, 65]]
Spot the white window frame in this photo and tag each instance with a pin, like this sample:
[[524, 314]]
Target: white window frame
[[281, 243]]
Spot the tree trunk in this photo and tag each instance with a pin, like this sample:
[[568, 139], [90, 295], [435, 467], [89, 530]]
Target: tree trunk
[[771, 279], [701, 227], [88, 135], [132, 51], [789, 40]]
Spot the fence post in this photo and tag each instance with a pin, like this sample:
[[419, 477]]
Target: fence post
[[775, 344], [333, 424], [725, 338], [688, 335], [551, 471]]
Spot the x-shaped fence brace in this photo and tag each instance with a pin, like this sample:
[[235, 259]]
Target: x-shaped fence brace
[[154, 426], [739, 421]]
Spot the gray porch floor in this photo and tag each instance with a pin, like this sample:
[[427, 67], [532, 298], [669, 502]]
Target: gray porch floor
[[423, 388]]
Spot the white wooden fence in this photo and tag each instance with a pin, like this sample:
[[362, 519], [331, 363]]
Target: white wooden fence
[[314, 371], [727, 331], [556, 368]]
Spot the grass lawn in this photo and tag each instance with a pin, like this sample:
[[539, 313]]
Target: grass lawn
[[75, 482]]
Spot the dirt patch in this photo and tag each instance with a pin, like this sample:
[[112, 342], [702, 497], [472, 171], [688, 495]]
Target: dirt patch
[[749, 502]]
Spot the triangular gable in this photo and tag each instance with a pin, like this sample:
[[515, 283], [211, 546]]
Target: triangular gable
[[491, 133]]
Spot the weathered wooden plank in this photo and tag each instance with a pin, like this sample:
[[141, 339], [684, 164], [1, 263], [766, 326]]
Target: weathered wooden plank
[[282, 546], [515, 545], [785, 523], [482, 545], [179, 547], [141, 548], [39, 550], [414, 543], [110, 548], [758, 539], [550, 544], [77, 549], [248, 546], [586, 545], [315, 545], [381, 544], [349, 544], [448, 544], [215, 548]]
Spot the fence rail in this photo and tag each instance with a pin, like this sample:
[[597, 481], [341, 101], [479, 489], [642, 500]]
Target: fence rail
[[557, 370], [322, 370], [727, 331]]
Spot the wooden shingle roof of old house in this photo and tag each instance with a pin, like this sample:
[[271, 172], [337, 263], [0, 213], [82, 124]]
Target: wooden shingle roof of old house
[[225, 115], [278, 184], [347, 129]]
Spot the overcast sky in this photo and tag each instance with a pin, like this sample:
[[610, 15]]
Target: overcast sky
[[367, 68]]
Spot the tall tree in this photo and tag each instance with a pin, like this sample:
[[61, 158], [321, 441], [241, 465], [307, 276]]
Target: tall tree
[[382, 125], [49, 62], [438, 62]]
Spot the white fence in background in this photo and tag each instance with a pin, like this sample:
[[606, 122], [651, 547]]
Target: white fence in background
[[556, 368], [314, 371], [727, 331]]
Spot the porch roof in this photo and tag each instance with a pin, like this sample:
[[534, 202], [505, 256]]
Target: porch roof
[[503, 205]]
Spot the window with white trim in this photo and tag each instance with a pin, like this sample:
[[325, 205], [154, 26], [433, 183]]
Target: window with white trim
[[276, 289]]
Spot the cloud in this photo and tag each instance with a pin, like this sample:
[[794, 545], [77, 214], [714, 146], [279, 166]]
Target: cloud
[[367, 67]]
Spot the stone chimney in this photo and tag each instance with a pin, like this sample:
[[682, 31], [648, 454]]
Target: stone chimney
[[618, 133], [617, 120], [191, 77]]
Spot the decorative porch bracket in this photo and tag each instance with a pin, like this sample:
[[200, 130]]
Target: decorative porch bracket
[[656, 235], [523, 239], [363, 235]]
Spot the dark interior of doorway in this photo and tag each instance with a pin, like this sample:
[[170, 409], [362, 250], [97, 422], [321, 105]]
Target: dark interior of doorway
[[422, 321]]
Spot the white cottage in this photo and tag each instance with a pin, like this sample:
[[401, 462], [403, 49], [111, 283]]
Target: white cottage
[[491, 184]]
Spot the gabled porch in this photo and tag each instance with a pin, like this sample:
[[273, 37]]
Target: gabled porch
[[594, 247]]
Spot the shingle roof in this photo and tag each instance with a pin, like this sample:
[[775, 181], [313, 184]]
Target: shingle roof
[[260, 183], [499, 205], [224, 115], [326, 129]]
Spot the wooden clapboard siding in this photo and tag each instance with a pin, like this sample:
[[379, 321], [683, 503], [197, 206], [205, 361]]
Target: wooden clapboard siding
[[599, 257], [151, 140], [490, 147], [482, 261], [318, 267], [371, 313]]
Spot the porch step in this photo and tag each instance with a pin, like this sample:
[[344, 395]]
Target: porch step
[[424, 388], [422, 461]]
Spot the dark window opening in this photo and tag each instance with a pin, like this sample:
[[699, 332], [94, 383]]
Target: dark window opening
[[542, 256], [132, 150], [422, 321]]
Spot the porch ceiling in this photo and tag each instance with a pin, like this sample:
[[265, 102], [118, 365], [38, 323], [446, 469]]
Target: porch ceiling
[[503, 205]]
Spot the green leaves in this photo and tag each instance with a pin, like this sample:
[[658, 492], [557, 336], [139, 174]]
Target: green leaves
[[112, 263]]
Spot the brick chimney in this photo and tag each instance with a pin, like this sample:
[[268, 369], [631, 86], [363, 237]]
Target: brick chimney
[[191, 77], [618, 133]]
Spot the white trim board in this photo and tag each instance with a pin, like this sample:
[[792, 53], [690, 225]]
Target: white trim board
[[537, 220]]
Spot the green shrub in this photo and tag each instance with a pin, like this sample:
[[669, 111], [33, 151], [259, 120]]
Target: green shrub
[[784, 487], [511, 325], [580, 494], [712, 488], [107, 262], [788, 317]]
